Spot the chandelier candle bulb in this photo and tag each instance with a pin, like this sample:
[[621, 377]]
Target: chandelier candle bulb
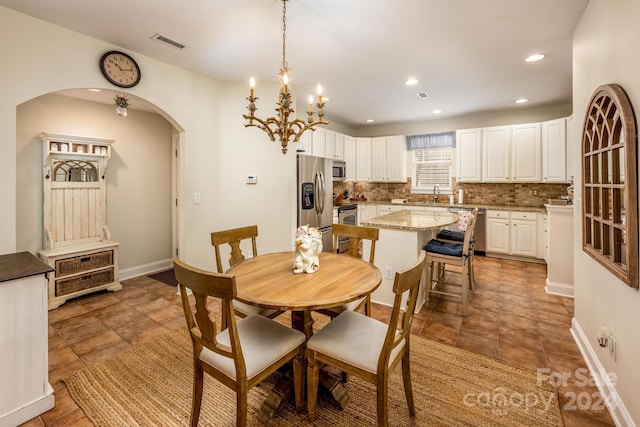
[[252, 85], [319, 94], [310, 104]]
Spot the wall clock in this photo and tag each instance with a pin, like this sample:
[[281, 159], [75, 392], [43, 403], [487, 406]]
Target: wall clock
[[120, 69]]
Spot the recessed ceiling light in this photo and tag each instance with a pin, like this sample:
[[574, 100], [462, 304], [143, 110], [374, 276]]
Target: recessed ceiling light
[[535, 57], [411, 81], [370, 120], [437, 111], [95, 90], [521, 100]]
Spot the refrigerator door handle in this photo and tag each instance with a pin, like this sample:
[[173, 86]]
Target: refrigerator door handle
[[323, 190]]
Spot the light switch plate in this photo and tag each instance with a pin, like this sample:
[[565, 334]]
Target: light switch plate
[[252, 179]]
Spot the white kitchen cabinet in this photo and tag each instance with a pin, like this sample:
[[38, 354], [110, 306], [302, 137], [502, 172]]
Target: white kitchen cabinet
[[554, 151], [339, 146], [496, 154], [498, 232], [350, 157], [469, 155], [524, 234], [389, 159], [366, 212], [363, 159], [329, 144], [318, 142], [304, 144], [526, 153], [512, 233]]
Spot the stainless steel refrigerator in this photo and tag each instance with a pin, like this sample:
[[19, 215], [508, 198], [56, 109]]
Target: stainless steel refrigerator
[[315, 196]]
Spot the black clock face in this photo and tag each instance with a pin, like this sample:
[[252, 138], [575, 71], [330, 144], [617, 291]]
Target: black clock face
[[120, 69]]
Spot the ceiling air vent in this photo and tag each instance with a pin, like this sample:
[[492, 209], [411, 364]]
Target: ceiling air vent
[[167, 40], [423, 95]]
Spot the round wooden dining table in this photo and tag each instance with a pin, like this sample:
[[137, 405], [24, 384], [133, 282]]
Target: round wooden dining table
[[268, 281]]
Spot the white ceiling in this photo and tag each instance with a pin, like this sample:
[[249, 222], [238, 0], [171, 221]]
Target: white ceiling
[[467, 54]]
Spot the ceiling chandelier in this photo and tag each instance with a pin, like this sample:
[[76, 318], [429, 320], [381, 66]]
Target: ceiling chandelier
[[280, 125]]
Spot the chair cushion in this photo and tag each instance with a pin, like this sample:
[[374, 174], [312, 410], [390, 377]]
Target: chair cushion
[[247, 309], [444, 248], [263, 342], [354, 339], [457, 236]]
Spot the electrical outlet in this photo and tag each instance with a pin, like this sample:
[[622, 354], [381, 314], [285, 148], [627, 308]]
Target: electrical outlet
[[388, 272], [535, 192], [196, 198]]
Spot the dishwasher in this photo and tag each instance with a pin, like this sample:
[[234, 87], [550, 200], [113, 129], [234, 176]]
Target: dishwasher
[[480, 232]]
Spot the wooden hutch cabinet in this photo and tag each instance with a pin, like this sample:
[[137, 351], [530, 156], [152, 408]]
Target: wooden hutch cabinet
[[77, 241]]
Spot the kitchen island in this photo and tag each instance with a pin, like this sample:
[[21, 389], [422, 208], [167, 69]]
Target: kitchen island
[[403, 234]]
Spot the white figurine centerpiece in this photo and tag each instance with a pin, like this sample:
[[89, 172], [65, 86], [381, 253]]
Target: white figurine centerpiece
[[308, 245]]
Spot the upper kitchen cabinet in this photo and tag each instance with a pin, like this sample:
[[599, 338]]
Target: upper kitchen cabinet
[[496, 154], [526, 153], [318, 142], [350, 157], [339, 146], [389, 159], [363, 159], [554, 151], [329, 144], [469, 155], [304, 144]]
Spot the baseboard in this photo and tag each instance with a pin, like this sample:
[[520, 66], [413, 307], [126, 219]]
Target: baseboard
[[146, 269], [561, 289], [606, 388], [32, 410]]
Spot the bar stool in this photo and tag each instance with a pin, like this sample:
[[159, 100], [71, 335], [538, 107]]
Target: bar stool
[[457, 237], [440, 253]]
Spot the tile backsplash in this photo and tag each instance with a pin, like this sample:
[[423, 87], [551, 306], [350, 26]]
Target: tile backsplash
[[485, 194]]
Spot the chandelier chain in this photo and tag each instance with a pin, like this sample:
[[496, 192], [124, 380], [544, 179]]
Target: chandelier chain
[[285, 65]]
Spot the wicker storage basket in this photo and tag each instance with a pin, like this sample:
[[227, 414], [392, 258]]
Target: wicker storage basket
[[85, 281], [67, 266]]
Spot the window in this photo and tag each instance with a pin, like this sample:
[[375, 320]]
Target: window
[[609, 184], [431, 167]]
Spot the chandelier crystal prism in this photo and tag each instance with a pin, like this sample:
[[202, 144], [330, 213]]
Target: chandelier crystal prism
[[281, 125]]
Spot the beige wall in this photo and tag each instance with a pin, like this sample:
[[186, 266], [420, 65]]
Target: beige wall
[[138, 173], [605, 50], [216, 150]]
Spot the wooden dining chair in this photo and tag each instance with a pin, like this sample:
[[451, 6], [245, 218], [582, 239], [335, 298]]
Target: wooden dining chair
[[439, 254], [243, 354], [368, 348], [234, 237], [356, 235]]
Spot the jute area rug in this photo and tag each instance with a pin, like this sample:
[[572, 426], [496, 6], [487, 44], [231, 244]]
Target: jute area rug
[[150, 385]]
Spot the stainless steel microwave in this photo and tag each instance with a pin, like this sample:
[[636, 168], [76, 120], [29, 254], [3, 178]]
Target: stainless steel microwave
[[339, 170]]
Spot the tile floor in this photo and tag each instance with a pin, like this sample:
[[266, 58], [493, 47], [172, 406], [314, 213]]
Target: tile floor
[[511, 318]]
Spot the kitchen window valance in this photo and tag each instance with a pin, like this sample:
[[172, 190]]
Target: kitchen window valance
[[431, 140]]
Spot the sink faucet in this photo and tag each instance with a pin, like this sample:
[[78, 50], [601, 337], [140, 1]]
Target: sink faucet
[[436, 193]]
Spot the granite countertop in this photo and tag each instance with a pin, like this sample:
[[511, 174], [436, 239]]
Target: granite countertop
[[408, 220], [464, 206]]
